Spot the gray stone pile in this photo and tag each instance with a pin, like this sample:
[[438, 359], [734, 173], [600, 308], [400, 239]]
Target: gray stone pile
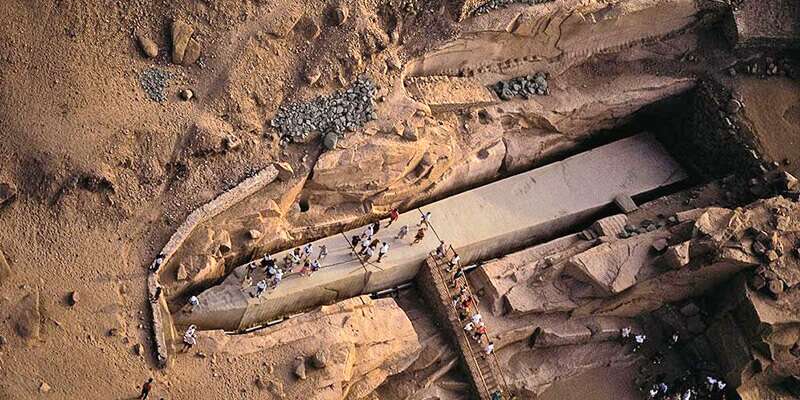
[[331, 115], [495, 4], [154, 81], [522, 86]]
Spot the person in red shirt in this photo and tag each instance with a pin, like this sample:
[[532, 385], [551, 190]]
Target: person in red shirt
[[146, 388], [393, 216]]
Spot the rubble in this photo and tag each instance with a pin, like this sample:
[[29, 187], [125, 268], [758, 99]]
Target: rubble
[[336, 113], [522, 86], [154, 82]]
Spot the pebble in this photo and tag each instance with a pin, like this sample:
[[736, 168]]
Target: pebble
[[73, 298], [44, 387], [339, 16], [148, 46]]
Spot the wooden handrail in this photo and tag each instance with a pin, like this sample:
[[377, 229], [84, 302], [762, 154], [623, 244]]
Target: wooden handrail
[[436, 266]]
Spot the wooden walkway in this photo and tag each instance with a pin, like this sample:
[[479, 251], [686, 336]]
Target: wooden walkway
[[440, 290]]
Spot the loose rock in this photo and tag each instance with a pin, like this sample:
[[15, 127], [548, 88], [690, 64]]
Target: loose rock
[[320, 359], [44, 387], [148, 46], [181, 33], [336, 113], [254, 233], [300, 369], [186, 94], [522, 86], [73, 298], [339, 16]]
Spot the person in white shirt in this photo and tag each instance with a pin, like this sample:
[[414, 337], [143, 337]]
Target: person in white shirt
[[469, 327], [194, 302], [488, 349], [383, 250], [476, 319], [425, 219], [261, 286]]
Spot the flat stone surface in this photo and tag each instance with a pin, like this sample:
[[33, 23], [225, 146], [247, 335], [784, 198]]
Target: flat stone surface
[[480, 223]]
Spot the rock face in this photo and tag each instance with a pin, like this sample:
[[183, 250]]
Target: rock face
[[364, 342]]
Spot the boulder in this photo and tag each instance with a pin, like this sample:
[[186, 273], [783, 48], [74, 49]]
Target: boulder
[[186, 94], [677, 256], [181, 33], [610, 226], [615, 266], [147, 45], [300, 369], [625, 203], [254, 234], [320, 359], [330, 140]]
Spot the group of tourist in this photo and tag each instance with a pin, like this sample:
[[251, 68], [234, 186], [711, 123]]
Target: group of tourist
[[689, 386]]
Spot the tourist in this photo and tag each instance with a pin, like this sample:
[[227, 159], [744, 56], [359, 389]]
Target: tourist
[[469, 327], [393, 216], [368, 253], [462, 314], [476, 318], [277, 278], [295, 256], [489, 349], [364, 245], [307, 250], [157, 263], [382, 252], [467, 302], [419, 236], [146, 388], [673, 340], [376, 226], [458, 274], [268, 262], [315, 266], [374, 244], [156, 295], [194, 302], [480, 330], [638, 342], [189, 338], [441, 250], [306, 270], [497, 395], [453, 262], [368, 232], [354, 241], [624, 335], [261, 286], [323, 252], [402, 232], [425, 219]]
